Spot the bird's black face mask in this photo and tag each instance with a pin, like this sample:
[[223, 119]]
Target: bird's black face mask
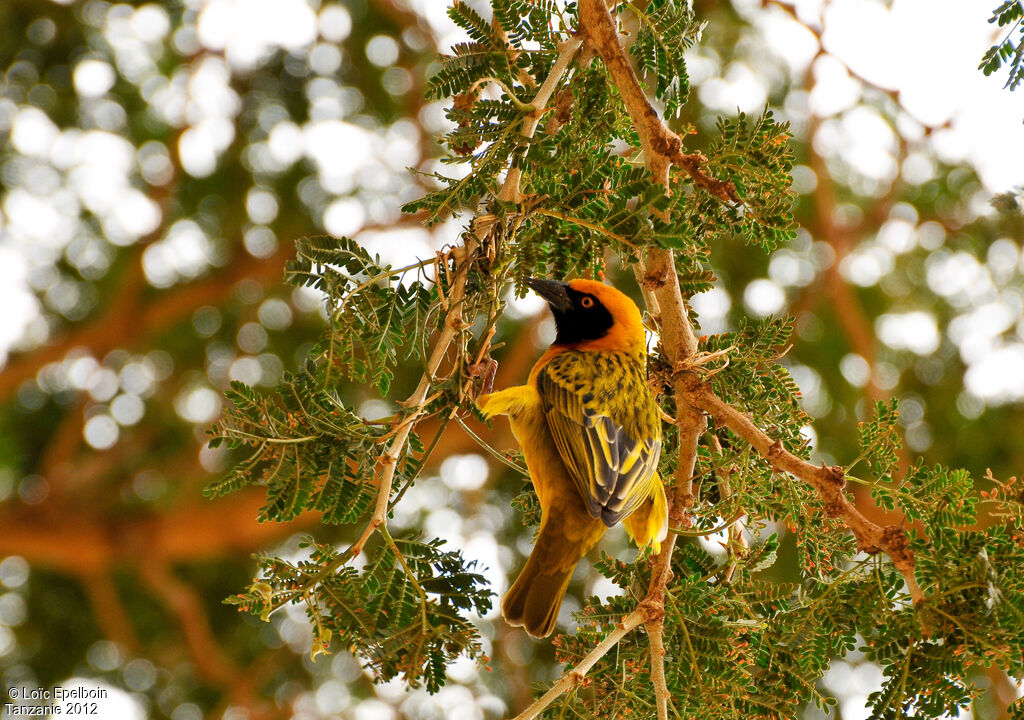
[[578, 316]]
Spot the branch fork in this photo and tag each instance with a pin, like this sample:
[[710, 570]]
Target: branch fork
[[828, 481], [653, 609]]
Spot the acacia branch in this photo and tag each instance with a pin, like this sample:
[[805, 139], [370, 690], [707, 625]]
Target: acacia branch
[[660, 284], [575, 676], [389, 460], [659, 279], [828, 481], [566, 52], [662, 148], [656, 638]]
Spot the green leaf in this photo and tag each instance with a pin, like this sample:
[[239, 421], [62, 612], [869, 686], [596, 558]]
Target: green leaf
[[879, 438]]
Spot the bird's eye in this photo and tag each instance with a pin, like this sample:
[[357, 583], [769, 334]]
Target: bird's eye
[[587, 302]]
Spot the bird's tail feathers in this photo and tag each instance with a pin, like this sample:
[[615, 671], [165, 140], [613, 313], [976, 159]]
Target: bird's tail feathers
[[534, 599]]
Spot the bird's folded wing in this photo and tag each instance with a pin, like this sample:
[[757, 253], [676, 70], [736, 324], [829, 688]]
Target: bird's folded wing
[[600, 440]]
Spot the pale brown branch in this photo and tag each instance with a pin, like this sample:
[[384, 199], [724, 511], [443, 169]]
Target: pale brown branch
[[828, 481], [388, 461], [694, 397], [660, 285], [659, 281], [510, 191], [662, 147], [575, 676], [736, 537], [662, 697]]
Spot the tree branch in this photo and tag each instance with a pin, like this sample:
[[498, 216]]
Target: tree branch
[[656, 638], [575, 676], [828, 481], [187, 608], [110, 612], [660, 284], [737, 540], [389, 460], [679, 343], [662, 148], [566, 52]]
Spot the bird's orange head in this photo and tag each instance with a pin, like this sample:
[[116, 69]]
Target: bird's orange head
[[590, 315]]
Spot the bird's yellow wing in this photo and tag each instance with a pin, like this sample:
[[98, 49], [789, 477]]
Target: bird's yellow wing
[[605, 424]]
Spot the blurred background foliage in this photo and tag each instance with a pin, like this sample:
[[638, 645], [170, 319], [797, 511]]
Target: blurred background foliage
[[157, 162]]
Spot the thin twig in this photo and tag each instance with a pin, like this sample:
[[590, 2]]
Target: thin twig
[[727, 525], [520, 105], [566, 52], [736, 537], [386, 466], [491, 451], [575, 676], [585, 223]]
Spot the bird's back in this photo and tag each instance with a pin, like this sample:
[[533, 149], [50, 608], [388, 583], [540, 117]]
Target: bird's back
[[604, 422], [610, 382]]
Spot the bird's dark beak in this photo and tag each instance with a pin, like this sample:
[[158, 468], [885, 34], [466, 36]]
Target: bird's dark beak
[[553, 291]]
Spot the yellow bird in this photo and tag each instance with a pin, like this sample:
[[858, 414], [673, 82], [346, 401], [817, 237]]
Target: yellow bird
[[591, 436]]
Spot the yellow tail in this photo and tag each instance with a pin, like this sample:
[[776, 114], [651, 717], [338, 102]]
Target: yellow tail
[[648, 525]]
